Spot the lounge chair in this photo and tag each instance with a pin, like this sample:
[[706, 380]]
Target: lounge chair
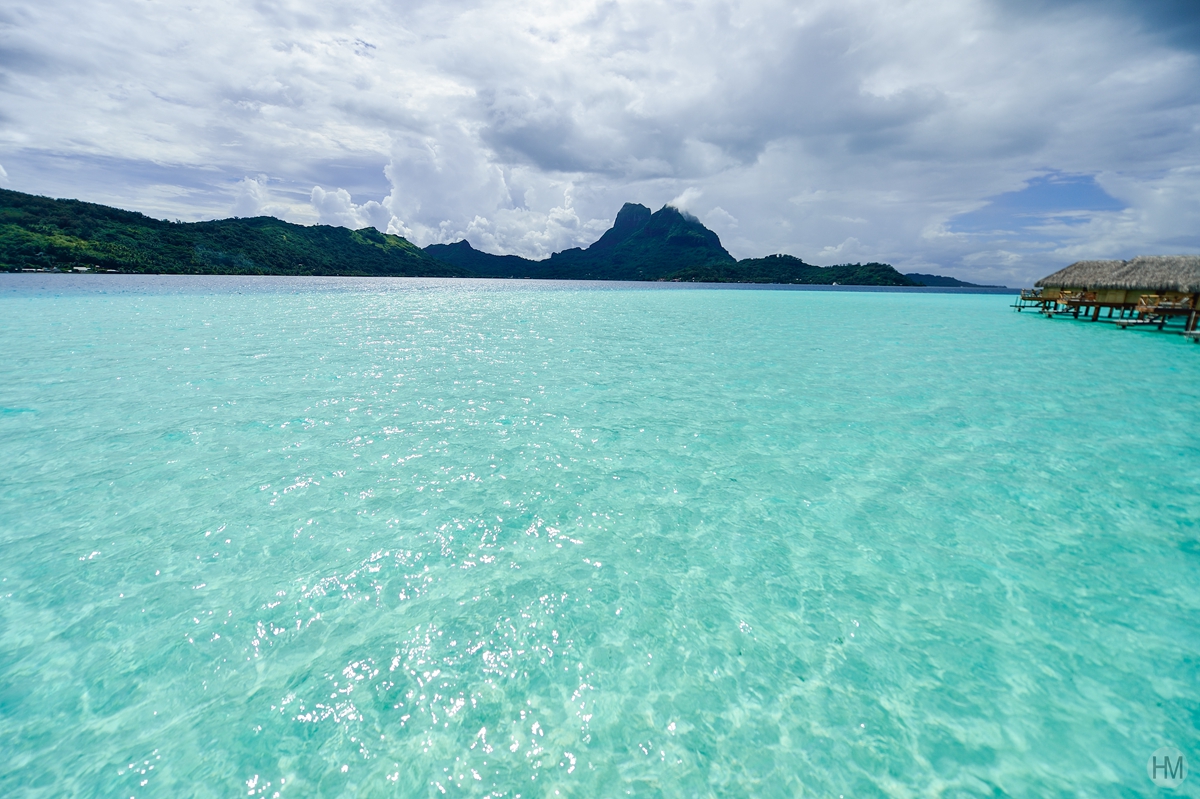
[[1137, 321]]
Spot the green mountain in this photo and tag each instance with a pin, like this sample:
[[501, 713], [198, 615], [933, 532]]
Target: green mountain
[[645, 246], [639, 246], [462, 255], [665, 245], [789, 269], [41, 233]]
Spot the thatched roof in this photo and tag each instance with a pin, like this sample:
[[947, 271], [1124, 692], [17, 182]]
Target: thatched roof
[[1149, 272]]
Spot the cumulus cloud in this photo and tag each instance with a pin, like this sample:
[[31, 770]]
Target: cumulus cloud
[[719, 219], [337, 208], [252, 197], [687, 198], [847, 130], [849, 250]]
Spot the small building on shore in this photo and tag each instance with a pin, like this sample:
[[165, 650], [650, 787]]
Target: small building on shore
[[1169, 284]]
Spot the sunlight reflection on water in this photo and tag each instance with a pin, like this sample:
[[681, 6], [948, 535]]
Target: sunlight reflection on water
[[338, 541]]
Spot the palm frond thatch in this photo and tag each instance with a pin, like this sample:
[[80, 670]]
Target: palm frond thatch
[[1145, 272]]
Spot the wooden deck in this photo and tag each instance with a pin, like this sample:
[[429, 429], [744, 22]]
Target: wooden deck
[[1150, 310]]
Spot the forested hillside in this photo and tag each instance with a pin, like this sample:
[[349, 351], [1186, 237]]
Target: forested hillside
[[41, 233]]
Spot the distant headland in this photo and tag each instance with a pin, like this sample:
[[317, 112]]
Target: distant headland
[[43, 234]]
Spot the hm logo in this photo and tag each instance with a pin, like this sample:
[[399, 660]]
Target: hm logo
[[1167, 767]]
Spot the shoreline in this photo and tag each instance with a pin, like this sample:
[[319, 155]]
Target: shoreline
[[99, 278]]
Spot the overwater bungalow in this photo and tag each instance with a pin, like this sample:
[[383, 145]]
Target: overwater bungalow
[[1148, 290]]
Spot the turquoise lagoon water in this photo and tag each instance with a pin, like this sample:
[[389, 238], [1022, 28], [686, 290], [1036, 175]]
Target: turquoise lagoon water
[[413, 538]]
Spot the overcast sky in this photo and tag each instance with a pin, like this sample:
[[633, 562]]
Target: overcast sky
[[994, 141]]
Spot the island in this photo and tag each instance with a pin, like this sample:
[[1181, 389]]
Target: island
[[44, 234]]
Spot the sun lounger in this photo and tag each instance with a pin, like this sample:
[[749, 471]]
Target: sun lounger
[[1137, 322]]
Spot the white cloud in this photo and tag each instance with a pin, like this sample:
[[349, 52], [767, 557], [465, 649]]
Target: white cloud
[[849, 250], [993, 257], [252, 197], [686, 199], [337, 208], [534, 230], [720, 219], [526, 127]]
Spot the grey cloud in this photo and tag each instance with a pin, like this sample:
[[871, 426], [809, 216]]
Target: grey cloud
[[536, 130], [827, 129], [24, 60], [1176, 22]]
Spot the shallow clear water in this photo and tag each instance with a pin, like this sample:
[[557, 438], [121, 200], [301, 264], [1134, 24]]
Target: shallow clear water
[[368, 538]]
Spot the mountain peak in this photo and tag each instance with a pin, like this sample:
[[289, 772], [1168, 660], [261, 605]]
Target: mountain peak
[[668, 244], [681, 212], [632, 214], [630, 219], [681, 231]]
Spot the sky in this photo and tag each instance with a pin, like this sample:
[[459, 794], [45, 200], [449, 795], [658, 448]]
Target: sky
[[992, 141]]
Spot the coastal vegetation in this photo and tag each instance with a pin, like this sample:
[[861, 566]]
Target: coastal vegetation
[[39, 233], [942, 281], [789, 269]]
